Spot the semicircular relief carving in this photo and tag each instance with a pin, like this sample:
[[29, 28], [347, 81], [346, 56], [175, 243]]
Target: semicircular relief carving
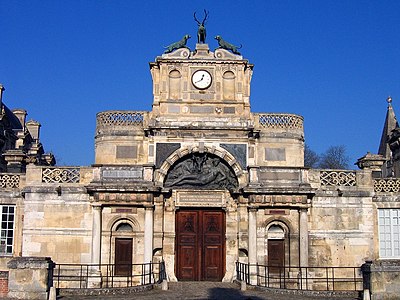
[[201, 171]]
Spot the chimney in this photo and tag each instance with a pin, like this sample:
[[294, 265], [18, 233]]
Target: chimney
[[34, 129], [21, 115], [1, 96]]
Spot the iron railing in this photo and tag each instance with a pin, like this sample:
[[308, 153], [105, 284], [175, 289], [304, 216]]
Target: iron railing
[[301, 278], [83, 276]]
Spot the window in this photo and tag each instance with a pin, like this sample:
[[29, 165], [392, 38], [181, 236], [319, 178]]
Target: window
[[389, 233], [7, 229]]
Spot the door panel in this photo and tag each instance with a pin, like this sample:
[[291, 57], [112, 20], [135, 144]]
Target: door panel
[[200, 245], [276, 255], [123, 256], [213, 237], [187, 246]]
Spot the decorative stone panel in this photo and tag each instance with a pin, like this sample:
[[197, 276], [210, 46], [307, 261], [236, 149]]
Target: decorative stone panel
[[279, 199], [121, 173], [338, 178], [239, 151], [163, 150], [9, 180], [387, 185], [60, 175]]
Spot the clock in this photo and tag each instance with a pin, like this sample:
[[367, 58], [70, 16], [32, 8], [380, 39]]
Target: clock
[[201, 79]]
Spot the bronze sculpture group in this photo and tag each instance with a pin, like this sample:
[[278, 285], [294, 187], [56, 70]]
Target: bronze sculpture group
[[201, 38]]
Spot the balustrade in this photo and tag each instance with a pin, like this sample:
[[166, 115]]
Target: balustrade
[[279, 121], [61, 175], [121, 118], [9, 180], [387, 185], [338, 178]]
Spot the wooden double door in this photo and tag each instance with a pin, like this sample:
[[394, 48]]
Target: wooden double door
[[200, 245]]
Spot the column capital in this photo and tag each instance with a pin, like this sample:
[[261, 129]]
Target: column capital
[[149, 207], [96, 206], [253, 208]]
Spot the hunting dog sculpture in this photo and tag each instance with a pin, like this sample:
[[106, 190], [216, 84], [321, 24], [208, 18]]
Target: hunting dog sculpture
[[179, 44], [227, 46]]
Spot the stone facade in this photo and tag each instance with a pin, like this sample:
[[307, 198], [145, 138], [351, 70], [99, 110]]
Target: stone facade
[[201, 150]]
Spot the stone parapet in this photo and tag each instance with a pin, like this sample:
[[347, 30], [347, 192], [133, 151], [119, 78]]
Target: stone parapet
[[385, 279], [30, 277]]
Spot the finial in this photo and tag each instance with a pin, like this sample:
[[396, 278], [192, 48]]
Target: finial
[[389, 100]]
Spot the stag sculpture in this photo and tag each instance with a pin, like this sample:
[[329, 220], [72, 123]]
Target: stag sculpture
[[201, 31]]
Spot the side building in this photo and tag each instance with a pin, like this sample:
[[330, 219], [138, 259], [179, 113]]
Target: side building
[[20, 147]]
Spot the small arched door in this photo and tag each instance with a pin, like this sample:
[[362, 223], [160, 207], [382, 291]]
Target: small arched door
[[276, 248], [123, 250]]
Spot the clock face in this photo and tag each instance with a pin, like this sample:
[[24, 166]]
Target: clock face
[[201, 79]]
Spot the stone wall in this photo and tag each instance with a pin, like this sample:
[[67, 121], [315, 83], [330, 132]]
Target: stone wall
[[58, 223]]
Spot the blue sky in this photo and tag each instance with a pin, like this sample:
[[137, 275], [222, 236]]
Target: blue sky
[[333, 62]]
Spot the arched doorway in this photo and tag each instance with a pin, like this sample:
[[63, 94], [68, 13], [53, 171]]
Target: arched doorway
[[123, 245], [200, 180], [275, 248]]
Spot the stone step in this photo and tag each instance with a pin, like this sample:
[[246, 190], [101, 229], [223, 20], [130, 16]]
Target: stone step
[[198, 285]]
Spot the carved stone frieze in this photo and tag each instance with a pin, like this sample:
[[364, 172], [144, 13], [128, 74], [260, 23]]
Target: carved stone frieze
[[201, 171], [279, 199], [122, 197]]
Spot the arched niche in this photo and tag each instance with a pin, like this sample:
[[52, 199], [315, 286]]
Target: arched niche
[[174, 85], [228, 85]]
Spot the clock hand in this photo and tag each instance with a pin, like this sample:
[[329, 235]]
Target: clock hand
[[202, 77]]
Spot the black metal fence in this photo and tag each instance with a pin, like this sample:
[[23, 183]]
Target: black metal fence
[[107, 275], [301, 278]]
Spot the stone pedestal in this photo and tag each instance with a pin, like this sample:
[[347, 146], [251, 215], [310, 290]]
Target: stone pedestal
[[30, 277]]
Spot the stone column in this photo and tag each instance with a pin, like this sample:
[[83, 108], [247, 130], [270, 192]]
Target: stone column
[[96, 235], [169, 238], [94, 281], [231, 239], [148, 238], [148, 234], [252, 250], [303, 238]]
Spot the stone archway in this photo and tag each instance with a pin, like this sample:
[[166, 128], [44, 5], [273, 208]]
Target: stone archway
[[206, 197]]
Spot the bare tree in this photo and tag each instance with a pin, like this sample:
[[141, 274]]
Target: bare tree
[[334, 158], [311, 158]]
